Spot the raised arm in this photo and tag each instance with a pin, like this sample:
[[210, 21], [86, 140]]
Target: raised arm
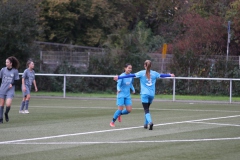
[[167, 75], [121, 77]]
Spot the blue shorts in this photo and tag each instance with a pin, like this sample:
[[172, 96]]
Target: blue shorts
[[6, 96], [146, 98], [124, 101], [27, 91]]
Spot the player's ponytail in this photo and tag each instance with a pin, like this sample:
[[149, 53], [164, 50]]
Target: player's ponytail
[[147, 65]]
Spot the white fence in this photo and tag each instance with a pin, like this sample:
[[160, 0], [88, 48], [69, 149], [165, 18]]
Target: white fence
[[173, 78]]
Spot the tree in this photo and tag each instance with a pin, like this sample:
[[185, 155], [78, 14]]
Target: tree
[[233, 15], [133, 46], [57, 21], [157, 15], [18, 29], [199, 39], [79, 22], [90, 22], [201, 35]]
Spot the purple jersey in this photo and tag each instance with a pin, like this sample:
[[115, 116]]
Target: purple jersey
[[8, 77], [29, 77]]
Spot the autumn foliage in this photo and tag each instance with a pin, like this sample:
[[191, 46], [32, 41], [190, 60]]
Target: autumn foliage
[[201, 34]]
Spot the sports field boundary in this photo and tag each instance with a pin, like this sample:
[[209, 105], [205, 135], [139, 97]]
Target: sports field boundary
[[133, 99]]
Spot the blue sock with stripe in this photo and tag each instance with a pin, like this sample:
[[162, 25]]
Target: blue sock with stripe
[[148, 117], [145, 120], [26, 104], [22, 106], [116, 114], [1, 112], [124, 112]]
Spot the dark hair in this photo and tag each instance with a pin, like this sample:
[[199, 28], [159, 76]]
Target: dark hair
[[148, 65], [28, 62], [14, 61], [126, 65]]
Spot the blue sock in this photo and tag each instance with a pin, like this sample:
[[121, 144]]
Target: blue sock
[[1, 112], [116, 114], [22, 106], [148, 117], [124, 112], [145, 120], [26, 103]]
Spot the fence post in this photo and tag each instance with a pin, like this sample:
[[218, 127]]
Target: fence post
[[64, 86], [88, 59], [41, 61], [174, 85], [230, 89]]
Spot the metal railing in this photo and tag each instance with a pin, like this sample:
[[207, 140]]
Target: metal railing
[[173, 78], [212, 79]]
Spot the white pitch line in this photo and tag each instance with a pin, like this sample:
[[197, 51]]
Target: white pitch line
[[198, 120], [111, 130], [155, 109], [67, 135], [192, 110], [219, 124], [127, 142]]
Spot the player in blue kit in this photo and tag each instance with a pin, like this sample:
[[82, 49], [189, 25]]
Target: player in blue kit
[[123, 95], [8, 78], [28, 78], [148, 79]]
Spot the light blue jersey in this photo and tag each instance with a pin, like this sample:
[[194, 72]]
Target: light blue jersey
[[147, 92], [148, 86], [124, 86]]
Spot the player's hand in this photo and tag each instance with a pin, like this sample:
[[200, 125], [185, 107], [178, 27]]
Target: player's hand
[[24, 89], [115, 78], [172, 75], [36, 89]]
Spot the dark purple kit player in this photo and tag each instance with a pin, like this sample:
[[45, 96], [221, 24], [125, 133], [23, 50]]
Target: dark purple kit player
[[8, 77]]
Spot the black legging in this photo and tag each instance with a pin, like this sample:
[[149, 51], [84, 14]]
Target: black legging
[[146, 107]]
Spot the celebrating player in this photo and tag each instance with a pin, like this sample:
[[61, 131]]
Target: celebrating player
[[123, 95], [8, 78], [148, 79], [28, 79]]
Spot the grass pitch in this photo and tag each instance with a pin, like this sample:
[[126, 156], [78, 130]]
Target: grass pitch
[[78, 129]]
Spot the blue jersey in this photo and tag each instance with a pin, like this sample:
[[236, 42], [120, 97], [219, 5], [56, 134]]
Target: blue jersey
[[124, 86], [148, 86]]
